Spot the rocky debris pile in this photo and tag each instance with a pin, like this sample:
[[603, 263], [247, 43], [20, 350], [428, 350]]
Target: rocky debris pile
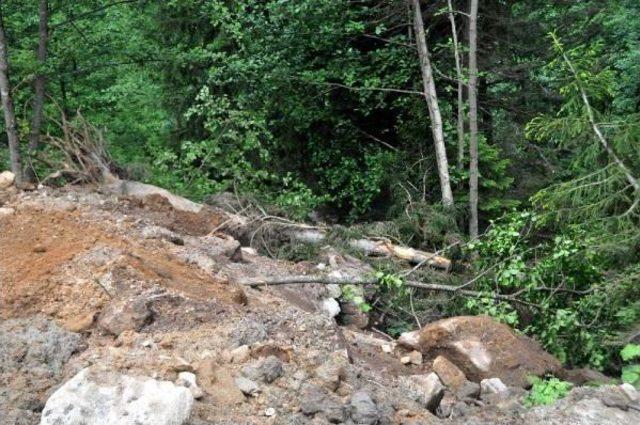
[[123, 310], [483, 348]]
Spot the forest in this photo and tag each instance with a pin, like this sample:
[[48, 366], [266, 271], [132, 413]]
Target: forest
[[502, 134]]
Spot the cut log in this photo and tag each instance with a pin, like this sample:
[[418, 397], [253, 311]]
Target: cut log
[[387, 249]]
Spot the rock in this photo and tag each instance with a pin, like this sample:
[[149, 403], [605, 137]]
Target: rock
[[314, 401], [247, 386], [630, 391], [362, 409], [35, 343], [6, 179], [493, 386], [124, 315], [248, 332], [39, 249], [79, 323], [425, 389], [584, 376], [99, 397], [483, 348], [240, 354], [468, 390], [267, 370], [143, 191], [584, 406], [188, 380], [219, 383], [449, 373], [238, 296], [269, 411], [405, 359], [333, 290], [332, 371], [6, 212], [415, 357], [161, 233], [330, 307]]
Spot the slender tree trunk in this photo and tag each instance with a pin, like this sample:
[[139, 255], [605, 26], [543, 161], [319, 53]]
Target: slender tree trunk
[[39, 86], [432, 103], [456, 53], [7, 106], [473, 120]]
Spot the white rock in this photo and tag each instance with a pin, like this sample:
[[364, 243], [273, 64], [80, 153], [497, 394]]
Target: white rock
[[425, 389], [630, 391], [100, 397], [5, 212], [269, 411], [6, 179], [493, 386], [240, 354], [247, 386], [188, 380], [330, 307]]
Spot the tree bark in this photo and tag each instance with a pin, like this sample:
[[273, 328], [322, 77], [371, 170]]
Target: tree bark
[[7, 105], [41, 79], [456, 54], [39, 86], [432, 103], [473, 120]]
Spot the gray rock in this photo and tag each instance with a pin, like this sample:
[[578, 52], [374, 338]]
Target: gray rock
[[425, 389], [124, 314], [267, 370], [100, 397], [587, 406], [493, 386], [161, 233], [35, 343], [468, 390], [248, 332], [188, 380], [315, 401], [247, 386], [362, 409]]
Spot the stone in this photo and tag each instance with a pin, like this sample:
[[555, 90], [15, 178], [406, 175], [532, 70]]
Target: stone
[[483, 348], [584, 376], [247, 386], [269, 411], [425, 389], [449, 374], [218, 382], [7, 178], [584, 406], [267, 369], [333, 370], [330, 307], [161, 233], [188, 380], [6, 212], [468, 390], [630, 391], [362, 409], [415, 357], [314, 401], [493, 386], [79, 323], [124, 315], [100, 397], [333, 290], [240, 354]]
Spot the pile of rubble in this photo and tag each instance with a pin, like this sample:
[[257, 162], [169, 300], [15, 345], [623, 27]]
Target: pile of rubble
[[123, 310]]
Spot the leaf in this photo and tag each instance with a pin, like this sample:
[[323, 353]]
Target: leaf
[[630, 352]]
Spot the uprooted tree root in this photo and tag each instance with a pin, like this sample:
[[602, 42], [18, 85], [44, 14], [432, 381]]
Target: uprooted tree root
[[82, 153]]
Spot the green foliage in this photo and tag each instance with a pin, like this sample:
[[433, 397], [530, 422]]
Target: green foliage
[[631, 372], [546, 391], [570, 305]]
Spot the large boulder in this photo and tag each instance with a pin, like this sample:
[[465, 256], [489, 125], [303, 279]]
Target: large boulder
[[483, 348], [100, 397]]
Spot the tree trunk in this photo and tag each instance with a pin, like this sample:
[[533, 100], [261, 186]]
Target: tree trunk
[[456, 54], [473, 120], [39, 86], [7, 105], [432, 103]]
